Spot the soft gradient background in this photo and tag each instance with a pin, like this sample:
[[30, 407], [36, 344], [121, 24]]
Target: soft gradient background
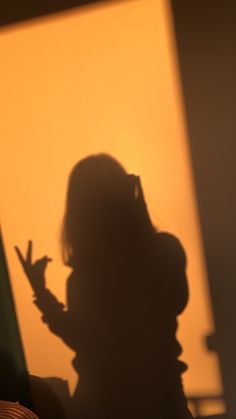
[[101, 79]]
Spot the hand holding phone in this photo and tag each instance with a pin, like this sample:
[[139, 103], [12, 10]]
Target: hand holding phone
[[136, 187]]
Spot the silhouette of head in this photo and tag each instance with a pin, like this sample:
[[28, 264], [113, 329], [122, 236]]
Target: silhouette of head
[[101, 204]]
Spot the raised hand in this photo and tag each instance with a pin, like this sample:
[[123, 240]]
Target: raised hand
[[35, 271]]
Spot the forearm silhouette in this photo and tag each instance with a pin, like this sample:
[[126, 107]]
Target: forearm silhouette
[[54, 315]]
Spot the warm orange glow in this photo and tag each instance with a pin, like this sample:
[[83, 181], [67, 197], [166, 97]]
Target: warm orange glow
[[99, 79]]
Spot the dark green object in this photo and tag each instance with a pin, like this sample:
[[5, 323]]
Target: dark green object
[[14, 384]]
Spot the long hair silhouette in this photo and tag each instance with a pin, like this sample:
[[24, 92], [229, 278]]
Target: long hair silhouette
[[101, 200]]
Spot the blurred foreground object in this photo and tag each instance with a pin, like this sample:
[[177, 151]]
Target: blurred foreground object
[[12, 410]]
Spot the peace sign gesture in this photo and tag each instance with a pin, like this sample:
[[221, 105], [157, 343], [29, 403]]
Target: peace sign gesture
[[35, 271]]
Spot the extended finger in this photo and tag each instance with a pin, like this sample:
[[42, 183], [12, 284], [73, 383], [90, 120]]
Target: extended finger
[[29, 252], [46, 259], [42, 263], [20, 256]]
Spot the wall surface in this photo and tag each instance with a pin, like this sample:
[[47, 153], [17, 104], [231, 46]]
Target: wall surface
[[101, 79]]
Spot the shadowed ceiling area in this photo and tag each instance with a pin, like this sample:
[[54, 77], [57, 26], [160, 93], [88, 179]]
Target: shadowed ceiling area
[[14, 11]]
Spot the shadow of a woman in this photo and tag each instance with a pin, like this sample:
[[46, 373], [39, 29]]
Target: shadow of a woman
[[126, 289]]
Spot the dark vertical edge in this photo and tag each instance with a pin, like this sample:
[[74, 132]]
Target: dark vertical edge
[[206, 44], [10, 339]]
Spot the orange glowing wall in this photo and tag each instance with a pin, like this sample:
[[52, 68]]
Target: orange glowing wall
[[101, 78]]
